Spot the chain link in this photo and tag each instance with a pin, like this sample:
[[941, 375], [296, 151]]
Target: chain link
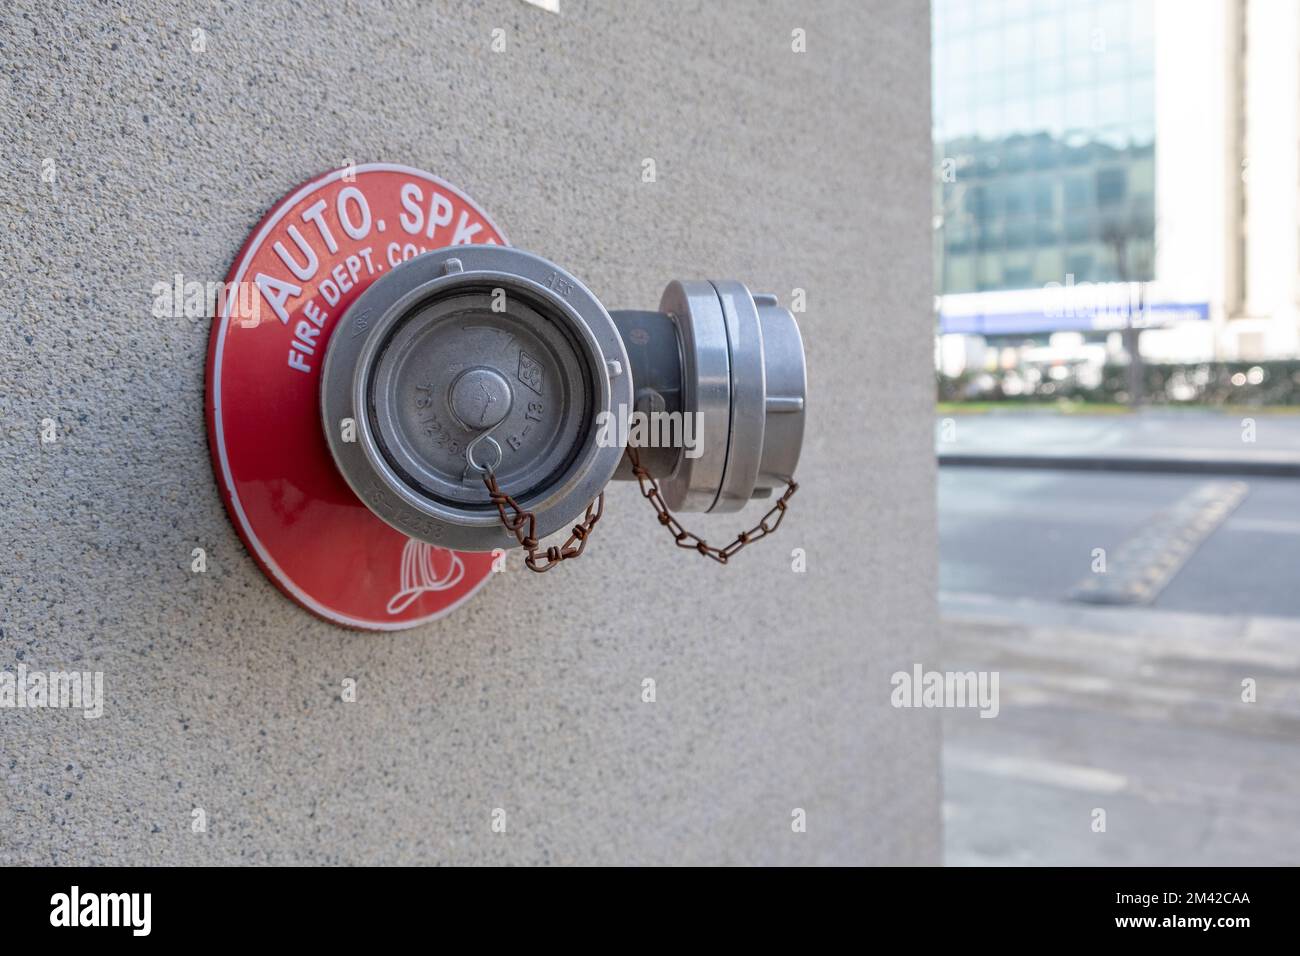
[[692, 542], [524, 527], [523, 524]]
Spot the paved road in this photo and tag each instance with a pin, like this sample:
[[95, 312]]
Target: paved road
[[1136, 710], [1137, 713], [1031, 534]]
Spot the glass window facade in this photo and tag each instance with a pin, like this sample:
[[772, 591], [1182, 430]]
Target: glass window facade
[[1044, 138]]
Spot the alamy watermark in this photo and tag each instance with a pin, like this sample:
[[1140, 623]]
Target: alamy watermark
[[82, 690], [194, 299], [1107, 305], [922, 688], [129, 910], [650, 430]]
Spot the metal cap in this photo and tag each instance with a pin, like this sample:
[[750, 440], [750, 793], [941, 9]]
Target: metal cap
[[737, 361], [482, 349]]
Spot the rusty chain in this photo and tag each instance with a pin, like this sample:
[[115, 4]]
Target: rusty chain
[[692, 542], [524, 527]]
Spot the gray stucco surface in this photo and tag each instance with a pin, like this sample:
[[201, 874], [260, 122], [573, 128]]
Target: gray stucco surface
[[782, 170]]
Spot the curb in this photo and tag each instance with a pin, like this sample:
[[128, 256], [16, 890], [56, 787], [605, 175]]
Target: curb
[[1150, 464]]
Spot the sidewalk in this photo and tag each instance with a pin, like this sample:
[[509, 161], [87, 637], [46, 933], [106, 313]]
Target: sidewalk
[[1182, 441], [1135, 712]]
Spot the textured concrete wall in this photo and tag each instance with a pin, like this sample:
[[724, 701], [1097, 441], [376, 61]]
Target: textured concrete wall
[[778, 169]]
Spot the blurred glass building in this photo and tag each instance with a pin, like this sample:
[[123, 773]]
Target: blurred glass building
[[1046, 112], [1112, 164]]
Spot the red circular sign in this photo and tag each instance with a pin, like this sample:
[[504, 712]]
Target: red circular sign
[[304, 264]]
